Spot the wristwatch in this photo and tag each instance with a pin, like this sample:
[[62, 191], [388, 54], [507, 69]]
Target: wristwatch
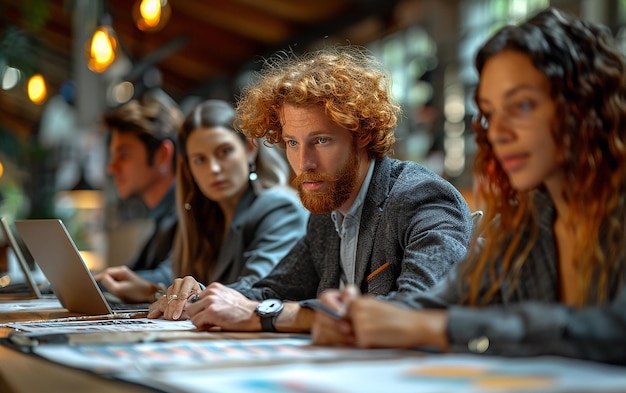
[[268, 310]]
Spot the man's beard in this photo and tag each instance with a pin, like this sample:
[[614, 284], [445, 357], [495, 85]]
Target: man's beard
[[339, 188]]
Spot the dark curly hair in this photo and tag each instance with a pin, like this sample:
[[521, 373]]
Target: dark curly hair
[[351, 86], [587, 75]]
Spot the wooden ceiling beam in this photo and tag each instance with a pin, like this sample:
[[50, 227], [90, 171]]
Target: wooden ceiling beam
[[300, 11], [236, 19], [222, 38]]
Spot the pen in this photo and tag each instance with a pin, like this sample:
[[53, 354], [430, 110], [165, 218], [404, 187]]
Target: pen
[[317, 305], [350, 291]]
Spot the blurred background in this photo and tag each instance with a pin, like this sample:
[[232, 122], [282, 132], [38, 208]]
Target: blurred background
[[65, 62]]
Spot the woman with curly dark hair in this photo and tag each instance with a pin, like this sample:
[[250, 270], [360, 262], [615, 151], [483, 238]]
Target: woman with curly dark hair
[[546, 275]]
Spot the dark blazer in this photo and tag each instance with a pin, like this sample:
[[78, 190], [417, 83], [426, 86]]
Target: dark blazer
[[154, 261], [528, 319], [411, 218]]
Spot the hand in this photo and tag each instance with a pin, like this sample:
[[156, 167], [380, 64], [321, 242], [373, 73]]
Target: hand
[[380, 323], [224, 307], [172, 305], [327, 330], [331, 331], [126, 284]]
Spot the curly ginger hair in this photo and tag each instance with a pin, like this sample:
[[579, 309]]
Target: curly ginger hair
[[350, 84]]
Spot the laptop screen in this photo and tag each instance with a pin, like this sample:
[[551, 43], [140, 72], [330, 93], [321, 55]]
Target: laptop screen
[[24, 274], [56, 254]]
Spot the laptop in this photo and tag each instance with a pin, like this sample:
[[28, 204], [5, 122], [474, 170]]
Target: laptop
[[55, 252], [23, 285]]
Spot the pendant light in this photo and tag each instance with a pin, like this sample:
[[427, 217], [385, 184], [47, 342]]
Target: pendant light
[[151, 15], [36, 89], [103, 48]]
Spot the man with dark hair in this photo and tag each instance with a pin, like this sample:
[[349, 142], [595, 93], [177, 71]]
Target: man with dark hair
[[143, 164]]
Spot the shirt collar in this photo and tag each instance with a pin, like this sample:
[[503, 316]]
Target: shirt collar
[[165, 205]]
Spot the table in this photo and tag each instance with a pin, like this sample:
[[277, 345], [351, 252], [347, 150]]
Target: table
[[302, 369], [23, 373], [26, 373]]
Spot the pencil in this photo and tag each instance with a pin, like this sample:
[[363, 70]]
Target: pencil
[[375, 272]]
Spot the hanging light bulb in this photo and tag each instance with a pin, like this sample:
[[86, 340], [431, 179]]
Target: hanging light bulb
[[36, 88], [151, 15], [150, 11], [101, 50]]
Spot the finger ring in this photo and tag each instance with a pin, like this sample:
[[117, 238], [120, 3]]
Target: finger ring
[[171, 297]]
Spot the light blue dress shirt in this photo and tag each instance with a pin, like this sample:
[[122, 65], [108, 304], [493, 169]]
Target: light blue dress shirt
[[348, 229]]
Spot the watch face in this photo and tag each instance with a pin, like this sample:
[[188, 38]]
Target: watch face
[[269, 307]]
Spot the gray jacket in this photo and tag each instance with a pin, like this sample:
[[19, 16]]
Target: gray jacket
[[411, 218], [529, 319], [262, 232]]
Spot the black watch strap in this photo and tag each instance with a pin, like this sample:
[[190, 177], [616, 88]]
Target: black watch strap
[[267, 323]]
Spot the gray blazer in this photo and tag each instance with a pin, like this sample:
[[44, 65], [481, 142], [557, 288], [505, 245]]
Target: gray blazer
[[412, 218], [528, 319], [263, 230]]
